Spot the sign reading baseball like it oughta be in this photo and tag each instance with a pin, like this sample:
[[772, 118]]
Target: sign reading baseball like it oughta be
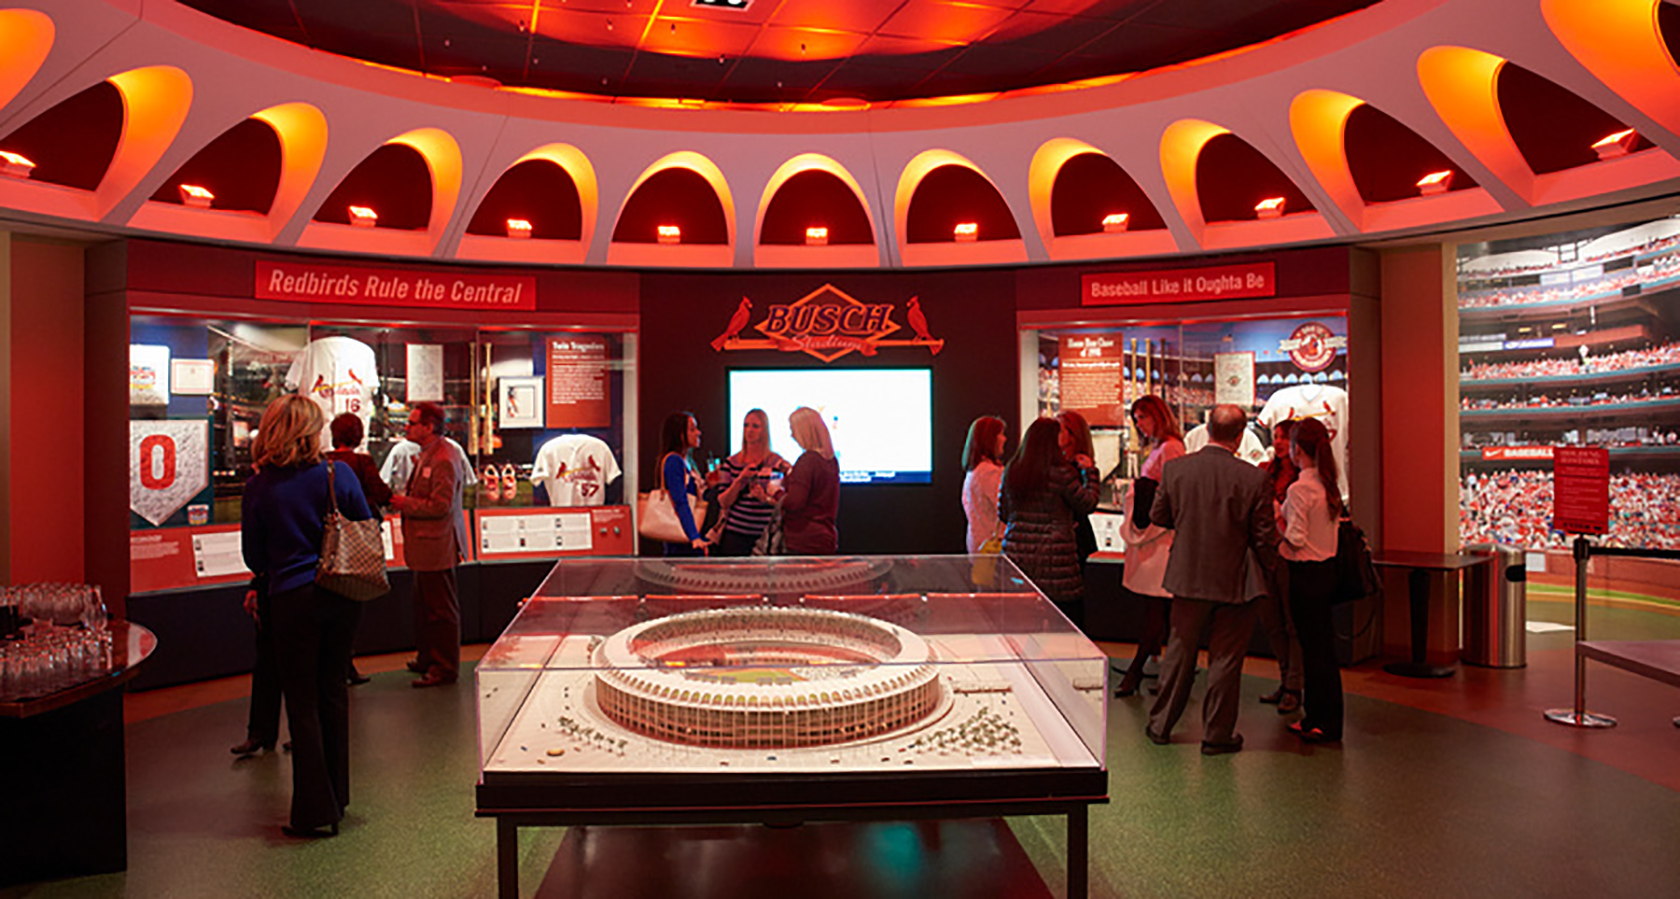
[[826, 323], [168, 464]]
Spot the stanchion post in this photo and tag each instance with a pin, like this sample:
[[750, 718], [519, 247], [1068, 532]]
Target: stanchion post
[[1579, 716]]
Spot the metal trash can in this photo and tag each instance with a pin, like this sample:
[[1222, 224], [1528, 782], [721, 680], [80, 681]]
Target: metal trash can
[[1496, 608]]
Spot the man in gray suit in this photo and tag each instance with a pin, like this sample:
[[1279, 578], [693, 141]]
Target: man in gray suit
[[1225, 544]]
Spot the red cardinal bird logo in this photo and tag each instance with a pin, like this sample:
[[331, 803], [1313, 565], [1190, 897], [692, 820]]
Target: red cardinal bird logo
[[743, 314], [919, 324]]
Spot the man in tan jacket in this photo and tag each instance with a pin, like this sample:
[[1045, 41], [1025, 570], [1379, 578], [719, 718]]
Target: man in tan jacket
[[434, 539]]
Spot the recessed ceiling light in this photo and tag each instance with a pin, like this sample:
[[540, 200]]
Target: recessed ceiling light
[[722, 4]]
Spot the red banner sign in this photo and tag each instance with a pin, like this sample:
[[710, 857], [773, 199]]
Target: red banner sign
[[297, 282], [1581, 489], [1222, 282], [1516, 453], [579, 393], [1090, 381]]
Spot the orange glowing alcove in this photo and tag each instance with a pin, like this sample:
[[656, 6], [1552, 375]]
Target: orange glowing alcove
[[26, 36]]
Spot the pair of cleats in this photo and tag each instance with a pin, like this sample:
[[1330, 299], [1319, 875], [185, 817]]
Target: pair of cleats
[[499, 485]]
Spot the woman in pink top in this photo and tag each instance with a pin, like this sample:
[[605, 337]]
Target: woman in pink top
[[983, 460], [1308, 522]]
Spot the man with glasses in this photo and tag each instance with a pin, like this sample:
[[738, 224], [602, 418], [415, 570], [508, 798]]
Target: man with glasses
[[434, 539]]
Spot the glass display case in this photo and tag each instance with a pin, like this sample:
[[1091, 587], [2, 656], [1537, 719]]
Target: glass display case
[[538, 414], [798, 668], [1277, 367]]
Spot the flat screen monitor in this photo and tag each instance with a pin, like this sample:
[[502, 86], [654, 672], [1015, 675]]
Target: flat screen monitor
[[881, 419]]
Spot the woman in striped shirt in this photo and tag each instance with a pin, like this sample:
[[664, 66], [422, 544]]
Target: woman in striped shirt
[[746, 478]]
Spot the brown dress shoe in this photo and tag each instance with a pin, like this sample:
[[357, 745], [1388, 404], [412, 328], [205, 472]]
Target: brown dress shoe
[[432, 680]]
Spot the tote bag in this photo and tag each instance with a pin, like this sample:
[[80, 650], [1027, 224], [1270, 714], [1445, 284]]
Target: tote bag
[[1356, 573], [656, 518], [352, 552]]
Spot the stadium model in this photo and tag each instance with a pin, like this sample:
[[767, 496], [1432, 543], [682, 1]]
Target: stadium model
[[765, 677]]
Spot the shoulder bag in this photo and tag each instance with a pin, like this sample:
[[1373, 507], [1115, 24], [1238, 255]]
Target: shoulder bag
[[352, 552], [656, 518], [1356, 574]]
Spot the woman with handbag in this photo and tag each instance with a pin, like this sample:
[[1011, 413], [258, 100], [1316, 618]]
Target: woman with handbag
[[745, 480], [983, 460], [1148, 544], [286, 504], [1311, 509], [678, 439]]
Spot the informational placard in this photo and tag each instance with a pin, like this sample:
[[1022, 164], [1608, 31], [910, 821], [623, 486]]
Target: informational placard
[[1091, 382], [1178, 285], [579, 392], [308, 282], [168, 464], [172, 558], [519, 402], [551, 532], [192, 377], [217, 555], [148, 374], [1233, 378], [1581, 489], [424, 375]]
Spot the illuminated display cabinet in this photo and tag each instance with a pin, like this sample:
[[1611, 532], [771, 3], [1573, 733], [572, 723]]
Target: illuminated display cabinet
[[714, 690]]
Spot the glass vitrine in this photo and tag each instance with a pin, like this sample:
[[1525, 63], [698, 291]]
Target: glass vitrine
[[803, 667]]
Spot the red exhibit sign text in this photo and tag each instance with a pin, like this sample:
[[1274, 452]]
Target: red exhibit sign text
[[1090, 381], [579, 392], [1581, 489], [361, 286], [1222, 282]]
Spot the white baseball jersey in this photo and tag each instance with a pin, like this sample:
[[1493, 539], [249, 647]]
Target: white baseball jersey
[[1321, 401], [1251, 450], [340, 374], [575, 470]]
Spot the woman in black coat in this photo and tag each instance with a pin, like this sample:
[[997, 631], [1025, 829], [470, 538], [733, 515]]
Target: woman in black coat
[[1044, 495]]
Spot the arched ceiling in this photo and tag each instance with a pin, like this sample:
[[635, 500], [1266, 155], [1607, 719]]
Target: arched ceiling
[[1430, 69], [777, 51]]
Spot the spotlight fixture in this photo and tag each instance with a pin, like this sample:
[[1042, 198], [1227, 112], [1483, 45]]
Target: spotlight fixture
[[967, 232], [1614, 145], [363, 217], [195, 196], [14, 165], [518, 229], [670, 234], [1435, 183], [1269, 208], [816, 236], [1114, 223]]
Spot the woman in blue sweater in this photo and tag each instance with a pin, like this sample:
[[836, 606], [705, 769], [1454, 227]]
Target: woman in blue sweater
[[678, 439], [285, 503]]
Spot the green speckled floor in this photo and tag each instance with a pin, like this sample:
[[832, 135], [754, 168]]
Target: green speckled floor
[[1414, 804]]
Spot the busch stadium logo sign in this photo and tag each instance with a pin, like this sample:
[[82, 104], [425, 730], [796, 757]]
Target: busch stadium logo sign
[[826, 323]]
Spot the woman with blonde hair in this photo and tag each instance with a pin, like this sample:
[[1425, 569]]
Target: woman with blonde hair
[[811, 491], [748, 510], [285, 505]]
